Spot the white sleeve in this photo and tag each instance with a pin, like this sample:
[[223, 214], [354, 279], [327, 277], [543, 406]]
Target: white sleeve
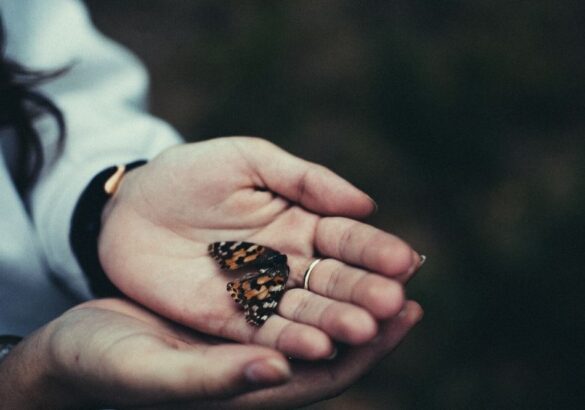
[[101, 97]]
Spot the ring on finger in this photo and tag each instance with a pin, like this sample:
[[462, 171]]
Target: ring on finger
[[308, 272]]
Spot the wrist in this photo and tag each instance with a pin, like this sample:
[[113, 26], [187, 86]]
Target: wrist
[[7, 343], [114, 194], [28, 382], [86, 224]]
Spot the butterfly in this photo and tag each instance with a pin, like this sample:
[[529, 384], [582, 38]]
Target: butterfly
[[258, 292]]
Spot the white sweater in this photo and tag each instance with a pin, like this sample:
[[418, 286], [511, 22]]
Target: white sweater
[[102, 99]]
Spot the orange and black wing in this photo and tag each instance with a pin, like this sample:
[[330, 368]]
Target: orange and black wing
[[260, 292], [234, 255]]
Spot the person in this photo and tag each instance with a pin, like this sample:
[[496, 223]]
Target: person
[[168, 334]]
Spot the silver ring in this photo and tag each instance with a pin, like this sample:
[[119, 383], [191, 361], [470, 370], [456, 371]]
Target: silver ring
[[309, 271]]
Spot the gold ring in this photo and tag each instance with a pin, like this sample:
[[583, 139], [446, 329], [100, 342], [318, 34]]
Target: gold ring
[[309, 271]]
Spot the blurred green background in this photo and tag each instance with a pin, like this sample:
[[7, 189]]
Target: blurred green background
[[463, 119]]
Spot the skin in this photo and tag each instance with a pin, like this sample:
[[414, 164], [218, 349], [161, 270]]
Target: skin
[[157, 227], [113, 353], [169, 348]]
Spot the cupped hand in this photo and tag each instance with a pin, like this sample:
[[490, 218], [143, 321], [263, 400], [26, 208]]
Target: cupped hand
[[113, 353], [315, 381], [157, 227]]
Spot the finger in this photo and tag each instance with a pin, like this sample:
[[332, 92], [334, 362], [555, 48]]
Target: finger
[[406, 277], [295, 340], [343, 322], [315, 382], [354, 363], [381, 296], [313, 186], [150, 365], [215, 313], [362, 245], [176, 372]]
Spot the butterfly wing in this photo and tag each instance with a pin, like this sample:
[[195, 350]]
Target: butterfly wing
[[259, 292], [238, 287], [234, 255]]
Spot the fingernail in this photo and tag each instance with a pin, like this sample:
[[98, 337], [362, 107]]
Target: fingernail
[[268, 371], [402, 314], [405, 312], [416, 265], [375, 205], [420, 317], [333, 354]]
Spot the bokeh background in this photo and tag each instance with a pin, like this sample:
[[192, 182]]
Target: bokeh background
[[463, 119]]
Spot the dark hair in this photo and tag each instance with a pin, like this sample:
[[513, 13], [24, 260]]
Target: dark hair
[[20, 104]]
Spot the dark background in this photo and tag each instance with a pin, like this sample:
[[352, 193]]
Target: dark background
[[463, 119]]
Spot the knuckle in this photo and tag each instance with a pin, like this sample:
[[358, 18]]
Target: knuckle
[[334, 279], [346, 239]]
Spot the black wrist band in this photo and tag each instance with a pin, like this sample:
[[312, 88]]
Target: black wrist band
[[85, 228], [7, 343]]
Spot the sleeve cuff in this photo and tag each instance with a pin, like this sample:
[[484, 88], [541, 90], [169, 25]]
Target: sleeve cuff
[[56, 230], [85, 229]]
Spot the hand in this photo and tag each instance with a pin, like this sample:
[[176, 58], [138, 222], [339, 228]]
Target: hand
[[312, 382], [112, 353], [157, 226]]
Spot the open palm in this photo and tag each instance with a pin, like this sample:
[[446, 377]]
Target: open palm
[[158, 225]]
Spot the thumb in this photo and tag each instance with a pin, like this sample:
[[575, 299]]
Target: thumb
[[216, 371], [311, 185]]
